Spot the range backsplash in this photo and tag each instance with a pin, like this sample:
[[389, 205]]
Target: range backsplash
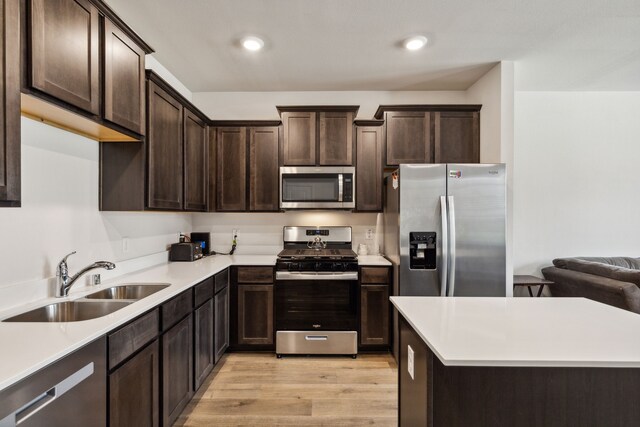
[[261, 233]]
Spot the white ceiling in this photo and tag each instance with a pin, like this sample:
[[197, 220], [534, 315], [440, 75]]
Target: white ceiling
[[355, 44]]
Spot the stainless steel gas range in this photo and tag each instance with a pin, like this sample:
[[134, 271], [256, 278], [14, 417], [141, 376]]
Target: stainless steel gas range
[[316, 292]]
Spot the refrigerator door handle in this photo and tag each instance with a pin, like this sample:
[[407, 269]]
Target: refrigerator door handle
[[444, 268], [452, 245]]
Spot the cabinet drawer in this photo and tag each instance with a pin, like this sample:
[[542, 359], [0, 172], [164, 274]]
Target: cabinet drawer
[[222, 280], [374, 275], [175, 309], [203, 291], [255, 274], [132, 337]]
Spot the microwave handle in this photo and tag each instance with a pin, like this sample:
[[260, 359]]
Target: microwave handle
[[340, 187]]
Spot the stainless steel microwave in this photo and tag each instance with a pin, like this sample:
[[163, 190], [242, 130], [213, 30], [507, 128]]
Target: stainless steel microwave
[[323, 187]]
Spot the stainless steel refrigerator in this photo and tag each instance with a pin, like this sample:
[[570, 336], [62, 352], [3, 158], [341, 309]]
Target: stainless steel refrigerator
[[445, 230]]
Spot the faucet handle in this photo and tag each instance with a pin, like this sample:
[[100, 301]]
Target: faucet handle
[[62, 265]]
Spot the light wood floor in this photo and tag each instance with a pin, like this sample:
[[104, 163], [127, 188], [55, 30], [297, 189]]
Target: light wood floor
[[257, 389]]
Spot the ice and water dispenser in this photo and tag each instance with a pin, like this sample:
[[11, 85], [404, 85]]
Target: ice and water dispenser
[[422, 250]]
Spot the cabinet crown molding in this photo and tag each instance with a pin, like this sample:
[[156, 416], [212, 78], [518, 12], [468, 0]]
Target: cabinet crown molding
[[425, 107], [318, 108]]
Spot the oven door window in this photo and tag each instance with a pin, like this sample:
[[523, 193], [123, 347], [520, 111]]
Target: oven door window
[[310, 188], [316, 305]]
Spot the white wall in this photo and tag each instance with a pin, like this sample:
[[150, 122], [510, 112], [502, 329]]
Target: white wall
[[577, 176], [59, 212], [262, 105], [261, 233], [153, 64]]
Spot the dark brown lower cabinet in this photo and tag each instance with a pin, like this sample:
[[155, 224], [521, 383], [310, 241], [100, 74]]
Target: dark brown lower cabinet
[[255, 315], [134, 390], [177, 370], [221, 311], [375, 308], [204, 357], [374, 315]]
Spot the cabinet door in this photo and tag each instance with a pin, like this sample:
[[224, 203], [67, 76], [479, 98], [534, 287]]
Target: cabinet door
[[457, 137], [134, 390], [299, 139], [408, 137], [336, 139], [374, 315], [204, 356], [195, 163], [231, 181], [10, 104], [64, 51], [164, 150], [255, 314], [369, 168], [124, 94], [221, 311], [177, 370], [263, 169]]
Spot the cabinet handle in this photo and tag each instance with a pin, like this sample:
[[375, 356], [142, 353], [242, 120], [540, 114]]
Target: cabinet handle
[[44, 399], [316, 337]]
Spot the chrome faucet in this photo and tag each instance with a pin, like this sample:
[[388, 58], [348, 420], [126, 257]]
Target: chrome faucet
[[64, 282]]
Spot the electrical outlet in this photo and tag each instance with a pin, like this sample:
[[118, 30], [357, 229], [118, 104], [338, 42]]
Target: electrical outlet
[[410, 364], [369, 235], [178, 236], [125, 245], [234, 232]]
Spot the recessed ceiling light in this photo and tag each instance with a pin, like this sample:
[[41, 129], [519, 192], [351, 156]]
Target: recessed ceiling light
[[415, 43], [252, 43]]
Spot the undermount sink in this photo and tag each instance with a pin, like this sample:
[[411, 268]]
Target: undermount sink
[[133, 291], [70, 311]]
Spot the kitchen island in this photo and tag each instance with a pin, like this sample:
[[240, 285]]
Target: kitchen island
[[517, 362]]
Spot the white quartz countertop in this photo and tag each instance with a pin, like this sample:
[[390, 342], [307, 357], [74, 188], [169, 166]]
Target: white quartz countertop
[[536, 332], [373, 260], [28, 347]]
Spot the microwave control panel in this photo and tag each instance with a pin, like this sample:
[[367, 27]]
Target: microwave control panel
[[347, 194]]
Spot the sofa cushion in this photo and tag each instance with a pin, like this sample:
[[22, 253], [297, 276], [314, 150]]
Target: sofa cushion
[[626, 262], [604, 270]]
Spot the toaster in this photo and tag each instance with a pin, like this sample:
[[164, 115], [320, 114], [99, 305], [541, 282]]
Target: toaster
[[185, 252]]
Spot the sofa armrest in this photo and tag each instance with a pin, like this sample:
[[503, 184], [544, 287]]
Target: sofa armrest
[[568, 283]]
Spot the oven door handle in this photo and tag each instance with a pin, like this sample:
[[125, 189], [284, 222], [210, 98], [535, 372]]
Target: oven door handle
[[288, 275]]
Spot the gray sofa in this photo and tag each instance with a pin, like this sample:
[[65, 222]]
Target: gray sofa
[[614, 281]]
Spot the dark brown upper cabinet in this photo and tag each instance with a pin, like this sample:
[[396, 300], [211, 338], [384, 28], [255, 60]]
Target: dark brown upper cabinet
[[457, 137], [317, 135], [299, 138], [124, 79], [336, 138], [195, 162], [83, 69], [408, 137], [369, 167], [431, 133], [246, 159], [263, 169], [164, 150], [65, 51], [231, 146], [10, 193]]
